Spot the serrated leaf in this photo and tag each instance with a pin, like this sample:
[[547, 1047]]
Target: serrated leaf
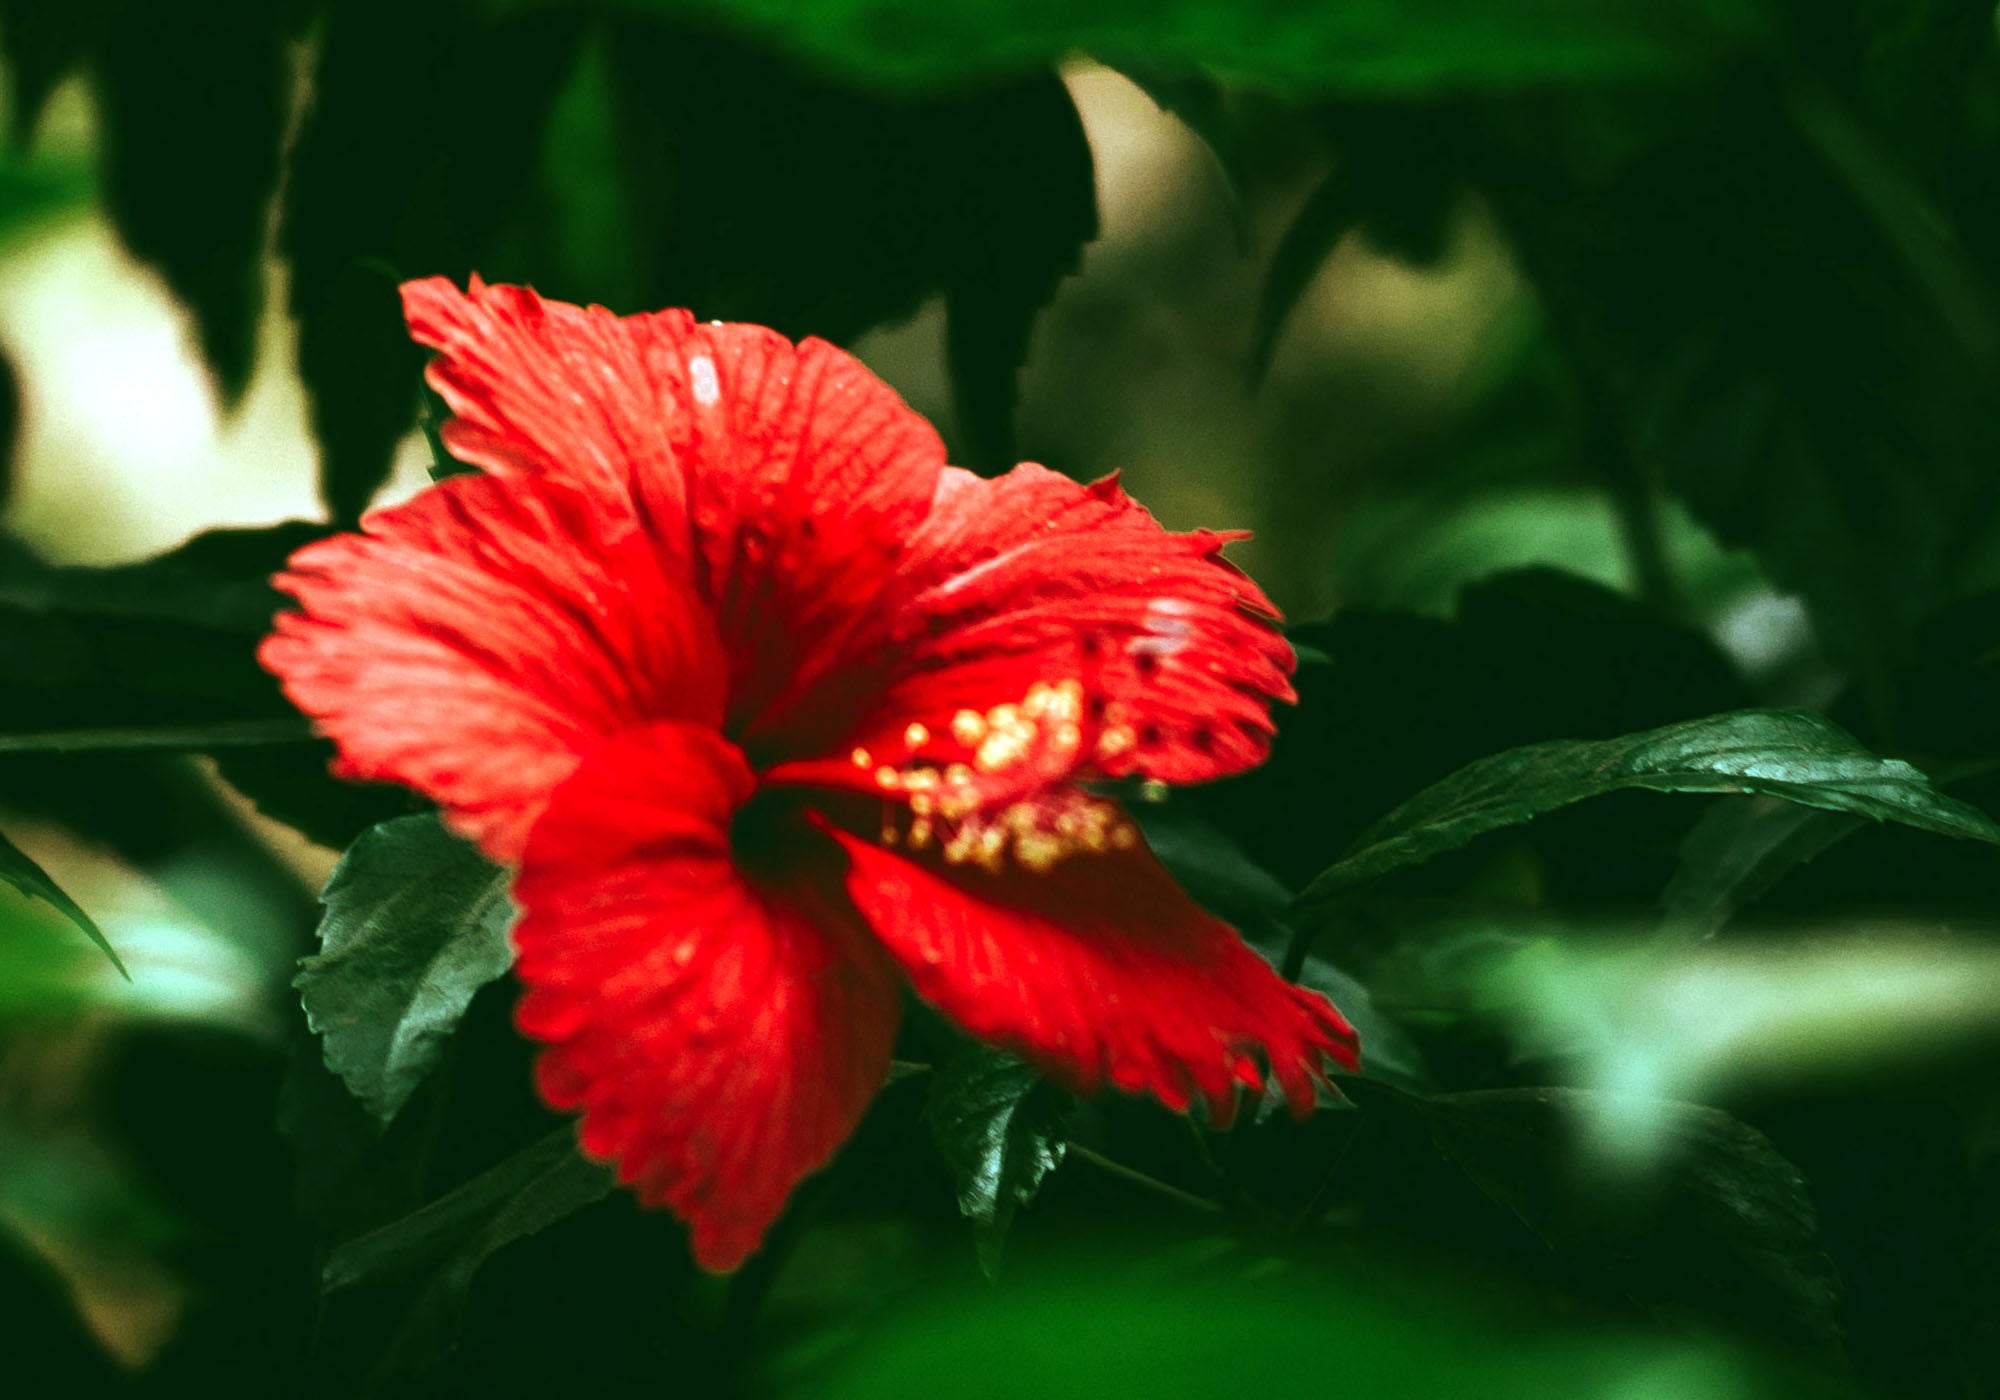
[[984, 197], [1395, 49], [1791, 754], [1033, 213], [23, 874], [383, 190], [416, 923], [193, 100], [998, 1124]]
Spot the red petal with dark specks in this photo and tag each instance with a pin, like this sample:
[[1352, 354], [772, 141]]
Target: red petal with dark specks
[[1102, 973], [1032, 578], [478, 638], [790, 476], [721, 1039]]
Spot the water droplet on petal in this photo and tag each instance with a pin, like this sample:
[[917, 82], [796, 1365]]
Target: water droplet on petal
[[702, 377]]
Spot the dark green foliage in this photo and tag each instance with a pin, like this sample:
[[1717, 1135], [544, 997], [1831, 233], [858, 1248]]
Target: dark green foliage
[[1739, 850], [160, 655], [416, 922], [194, 97], [1383, 706], [457, 1232], [1790, 754], [1699, 319], [768, 194], [154, 647], [1719, 1223], [410, 162], [640, 165], [438, 1249], [1386, 50], [1707, 371], [999, 1125], [1185, 1327]]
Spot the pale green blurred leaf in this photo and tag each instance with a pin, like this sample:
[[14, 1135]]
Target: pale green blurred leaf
[[23, 874], [1652, 1024], [1117, 1333]]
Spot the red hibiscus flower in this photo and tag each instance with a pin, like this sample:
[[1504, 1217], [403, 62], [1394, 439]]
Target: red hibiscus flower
[[777, 713]]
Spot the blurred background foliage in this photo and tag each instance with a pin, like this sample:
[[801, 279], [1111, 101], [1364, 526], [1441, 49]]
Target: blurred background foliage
[[1598, 376]]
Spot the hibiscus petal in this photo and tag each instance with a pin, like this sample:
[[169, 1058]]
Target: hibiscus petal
[[1101, 972], [1031, 581], [790, 476], [720, 1036], [478, 638]]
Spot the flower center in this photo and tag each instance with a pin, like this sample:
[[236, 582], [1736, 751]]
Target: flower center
[[1000, 785]]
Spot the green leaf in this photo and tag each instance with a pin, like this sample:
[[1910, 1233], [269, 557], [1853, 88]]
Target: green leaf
[[91, 1219], [1382, 709], [1658, 1022], [167, 642], [10, 425], [1162, 1326], [1199, 102], [1329, 212], [1027, 216], [42, 45], [380, 190], [39, 191], [193, 98], [984, 198], [218, 579], [1220, 876], [416, 922], [23, 874], [1808, 406], [1791, 754], [162, 654], [530, 1191], [446, 1243], [1737, 852], [1392, 49], [999, 1125], [1720, 1220]]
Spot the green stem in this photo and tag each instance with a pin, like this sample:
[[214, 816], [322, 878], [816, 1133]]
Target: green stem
[[1139, 1178], [192, 738]]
